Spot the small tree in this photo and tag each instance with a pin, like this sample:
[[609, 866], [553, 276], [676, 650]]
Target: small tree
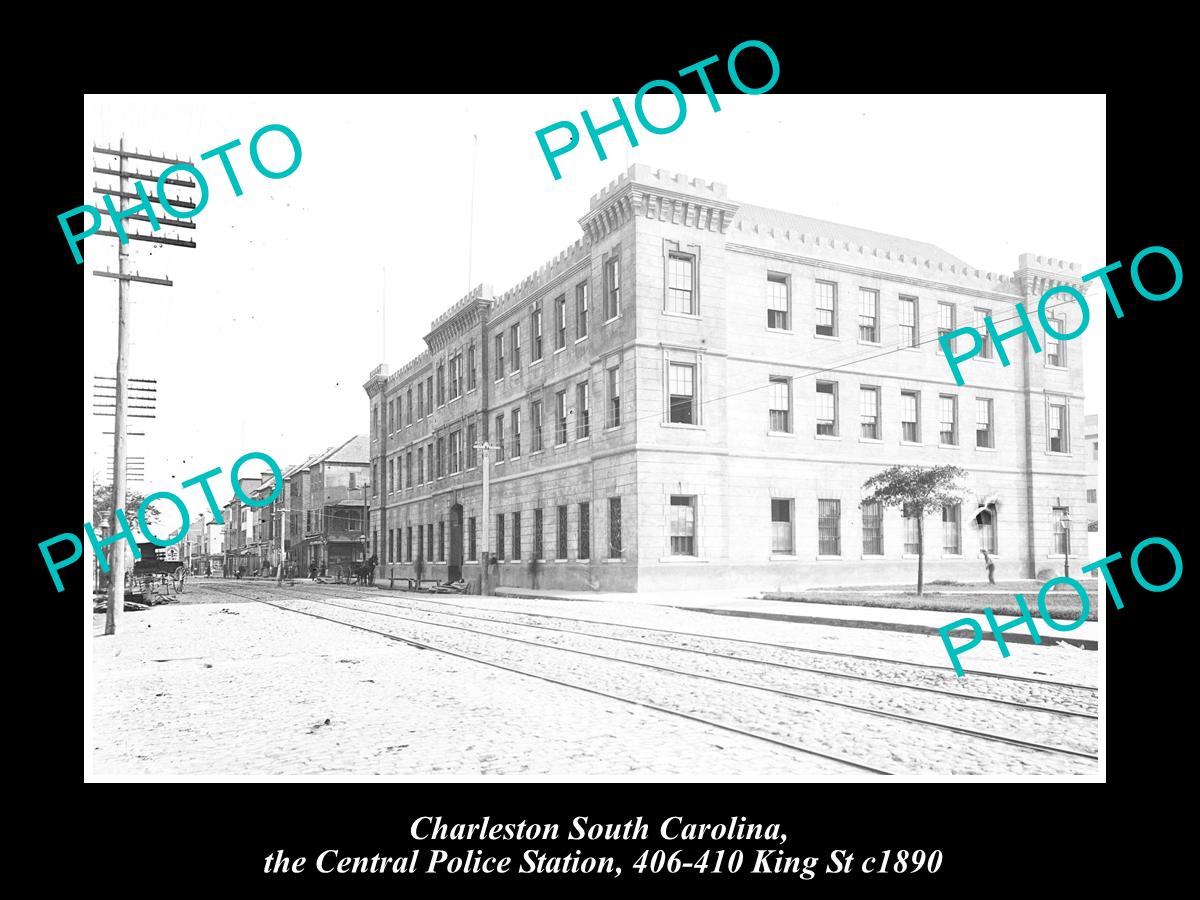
[[917, 489], [102, 506]]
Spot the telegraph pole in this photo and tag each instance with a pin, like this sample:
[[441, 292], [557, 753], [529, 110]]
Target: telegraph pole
[[282, 524], [116, 553], [487, 448]]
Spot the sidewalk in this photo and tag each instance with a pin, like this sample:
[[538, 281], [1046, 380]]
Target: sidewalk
[[912, 621]]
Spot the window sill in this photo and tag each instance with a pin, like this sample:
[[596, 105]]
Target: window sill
[[782, 434], [1065, 455], [614, 559], [828, 437], [668, 560], [942, 446], [682, 426], [586, 437], [985, 449], [870, 343], [770, 330], [909, 555], [986, 359], [910, 349], [581, 339], [952, 556], [536, 452], [536, 362], [680, 315], [613, 319], [822, 557], [563, 444], [1058, 368], [872, 556], [912, 444], [785, 557], [867, 440], [560, 350], [826, 337]]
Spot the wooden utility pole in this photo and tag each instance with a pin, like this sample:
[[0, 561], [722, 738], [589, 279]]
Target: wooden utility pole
[[116, 553], [282, 526], [484, 567]]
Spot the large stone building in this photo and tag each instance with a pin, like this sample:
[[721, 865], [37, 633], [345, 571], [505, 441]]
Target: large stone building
[[693, 393]]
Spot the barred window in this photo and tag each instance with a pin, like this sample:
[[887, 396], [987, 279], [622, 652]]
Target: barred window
[[829, 527], [826, 407], [952, 529], [683, 526], [441, 533], [561, 550], [868, 404], [778, 302], [584, 551], [868, 315], [516, 536], [614, 527], [680, 272], [948, 409], [826, 308], [472, 549], [780, 417], [910, 421], [782, 540], [682, 392], [538, 522], [872, 528], [499, 536], [984, 436], [910, 329]]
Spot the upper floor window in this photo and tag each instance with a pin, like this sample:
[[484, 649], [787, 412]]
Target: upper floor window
[[421, 400], [910, 421], [613, 404], [984, 432], [560, 332], [826, 308], [910, 331], [1056, 351], [441, 385], [499, 356], [827, 407], [410, 406], [456, 377], [516, 433], [535, 419], [471, 368], [535, 329], [869, 412], [583, 411], [500, 438], [682, 393], [985, 348], [868, 315], [1057, 434], [581, 309], [780, 415], [515, 347], [683, 526], [680, 277], [560, 418], [779, 303], [946, 319], [948, 407], [612, 288]]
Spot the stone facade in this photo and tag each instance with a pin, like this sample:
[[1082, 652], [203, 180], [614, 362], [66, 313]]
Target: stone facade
[[667, 385]]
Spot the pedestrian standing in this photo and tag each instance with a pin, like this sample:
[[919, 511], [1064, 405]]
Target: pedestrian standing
[[371, 564], [322, 568], [312, 570], [991, 567]]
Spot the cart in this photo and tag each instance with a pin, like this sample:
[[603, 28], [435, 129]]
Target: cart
[[153, 577]]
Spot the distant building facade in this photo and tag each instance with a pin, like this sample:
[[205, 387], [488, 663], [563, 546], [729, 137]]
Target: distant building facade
[[693, 394], [1091, 449]]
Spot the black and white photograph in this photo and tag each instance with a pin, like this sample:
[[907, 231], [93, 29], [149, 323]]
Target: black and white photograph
[[464, 438]]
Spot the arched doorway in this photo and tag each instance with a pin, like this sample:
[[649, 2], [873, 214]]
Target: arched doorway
[[455, 561]]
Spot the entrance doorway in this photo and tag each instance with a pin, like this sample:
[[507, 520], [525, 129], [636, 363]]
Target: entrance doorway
[[455, 561]]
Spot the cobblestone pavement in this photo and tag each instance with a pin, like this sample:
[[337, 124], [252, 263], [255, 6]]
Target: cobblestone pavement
[[242, 688]]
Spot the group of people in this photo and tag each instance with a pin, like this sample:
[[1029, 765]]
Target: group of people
[[315, 570]]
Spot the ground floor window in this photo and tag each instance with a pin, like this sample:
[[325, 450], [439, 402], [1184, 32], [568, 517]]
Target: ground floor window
[[585, 532], [987, 530], [683, 526], [1062, 534], [538, 522], [500, 536], [561, 550], [829, 527], [781, 527], [951, 529], [872, 528], [516, 536], [912, 540], [614, 527], [471, 548]]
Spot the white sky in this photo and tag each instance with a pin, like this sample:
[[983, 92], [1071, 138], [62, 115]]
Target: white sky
[[273, 323]]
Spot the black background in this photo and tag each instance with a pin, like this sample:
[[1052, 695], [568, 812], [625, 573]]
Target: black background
[[1007, 833]]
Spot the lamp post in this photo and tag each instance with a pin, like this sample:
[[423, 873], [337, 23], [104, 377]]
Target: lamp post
[[1066, 523], [487, 447]]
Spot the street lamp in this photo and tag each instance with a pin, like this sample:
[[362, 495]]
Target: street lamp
[[1066, 521]]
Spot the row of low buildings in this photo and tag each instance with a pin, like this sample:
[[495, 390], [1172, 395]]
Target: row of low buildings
[[321, 502], [693, 393]]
